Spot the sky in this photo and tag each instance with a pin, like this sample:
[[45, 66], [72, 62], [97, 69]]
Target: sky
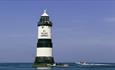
[[82, 29]]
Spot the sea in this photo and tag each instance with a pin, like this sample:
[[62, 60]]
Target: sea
[[66, 66]]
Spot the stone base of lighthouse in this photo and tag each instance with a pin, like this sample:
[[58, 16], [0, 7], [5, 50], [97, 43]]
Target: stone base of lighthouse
[[43, 61]]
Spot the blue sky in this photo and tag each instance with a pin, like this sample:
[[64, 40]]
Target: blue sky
[[82, 29]]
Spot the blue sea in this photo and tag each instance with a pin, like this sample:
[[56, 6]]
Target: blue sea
[[68, 66]]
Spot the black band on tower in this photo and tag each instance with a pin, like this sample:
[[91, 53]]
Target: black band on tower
[[44, 43], [42, 60]]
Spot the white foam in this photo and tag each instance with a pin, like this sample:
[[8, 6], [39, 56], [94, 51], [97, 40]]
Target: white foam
[[42, 68]]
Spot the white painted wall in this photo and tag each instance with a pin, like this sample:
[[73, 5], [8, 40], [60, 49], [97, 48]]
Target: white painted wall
[[44, 32], [47, 52]]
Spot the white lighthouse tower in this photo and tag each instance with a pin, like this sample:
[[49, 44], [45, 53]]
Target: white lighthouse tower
[[44, 53]]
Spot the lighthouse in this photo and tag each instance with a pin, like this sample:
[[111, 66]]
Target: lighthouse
[[44, 52]]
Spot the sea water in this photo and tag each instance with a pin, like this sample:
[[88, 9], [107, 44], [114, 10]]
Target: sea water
[[68, 66]]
